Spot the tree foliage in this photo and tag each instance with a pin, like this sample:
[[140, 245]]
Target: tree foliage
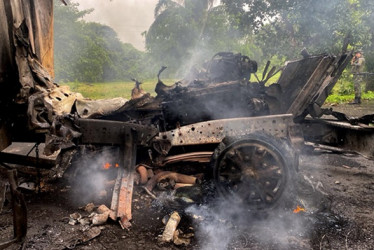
[[91, 52], [187, 31], [288, 26]]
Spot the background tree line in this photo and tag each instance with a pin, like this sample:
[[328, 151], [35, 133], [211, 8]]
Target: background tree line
[[188, 31], [91, 52]]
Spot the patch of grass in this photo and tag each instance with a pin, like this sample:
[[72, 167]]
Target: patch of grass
[[105, 90], [342, 92], [338, 99], [335, 98]]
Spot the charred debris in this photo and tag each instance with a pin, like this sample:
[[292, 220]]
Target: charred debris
[[221, 126]]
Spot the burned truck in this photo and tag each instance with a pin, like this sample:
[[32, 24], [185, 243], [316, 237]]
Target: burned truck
[[221, 122], [246, 133]]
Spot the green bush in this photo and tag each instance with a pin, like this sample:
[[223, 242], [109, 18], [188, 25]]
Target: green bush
[[344, 86]]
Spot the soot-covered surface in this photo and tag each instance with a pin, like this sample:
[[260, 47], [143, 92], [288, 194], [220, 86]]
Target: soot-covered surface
[[342, 219]]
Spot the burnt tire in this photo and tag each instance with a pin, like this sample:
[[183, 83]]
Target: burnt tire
[[256, 170]]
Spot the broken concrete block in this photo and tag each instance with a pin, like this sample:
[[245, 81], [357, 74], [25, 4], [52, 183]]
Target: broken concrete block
[[89, 208], [113, 215], [84, 221], [103, 209], [72, 221], [99, 219], [73, 218], [180, 239], [170, 227]]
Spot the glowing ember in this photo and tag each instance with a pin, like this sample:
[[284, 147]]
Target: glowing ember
[[299, 209], [107, 165]]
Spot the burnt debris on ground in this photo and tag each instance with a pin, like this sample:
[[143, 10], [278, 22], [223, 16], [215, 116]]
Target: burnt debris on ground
[[336, 215]]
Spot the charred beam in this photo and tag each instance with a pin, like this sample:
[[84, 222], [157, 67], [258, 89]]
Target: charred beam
[[123, 189], [216, 130], [113, 132]]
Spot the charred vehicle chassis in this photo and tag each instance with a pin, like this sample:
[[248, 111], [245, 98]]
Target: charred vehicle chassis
[[253, 162]]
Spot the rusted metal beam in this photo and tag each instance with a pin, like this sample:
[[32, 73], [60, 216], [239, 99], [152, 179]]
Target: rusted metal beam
[[112, 132], [123, 188], [216, 130], [115, 194]]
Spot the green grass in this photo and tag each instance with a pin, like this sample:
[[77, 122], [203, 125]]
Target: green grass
[[105, 90], [112, 89], [338, 99], [342, 92]]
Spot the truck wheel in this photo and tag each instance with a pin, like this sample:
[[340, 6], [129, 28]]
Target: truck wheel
[[255, 170]]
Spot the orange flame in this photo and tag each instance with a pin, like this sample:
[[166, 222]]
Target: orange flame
[[107, 165], [299, 209]]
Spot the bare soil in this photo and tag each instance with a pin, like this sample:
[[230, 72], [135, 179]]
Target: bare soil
[[367, 107]]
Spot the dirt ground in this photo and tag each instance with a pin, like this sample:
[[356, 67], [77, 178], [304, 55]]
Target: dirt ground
[[367, 107], [336, 191]]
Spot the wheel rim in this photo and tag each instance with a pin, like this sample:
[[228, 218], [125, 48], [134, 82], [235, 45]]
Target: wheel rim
[[253, 172]]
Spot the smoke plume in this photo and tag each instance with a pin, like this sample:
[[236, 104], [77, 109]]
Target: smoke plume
[[128, 18]]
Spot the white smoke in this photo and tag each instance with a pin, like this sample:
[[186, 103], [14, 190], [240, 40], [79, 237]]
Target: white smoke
[[89, 175], [228, 226], [129, 18]]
